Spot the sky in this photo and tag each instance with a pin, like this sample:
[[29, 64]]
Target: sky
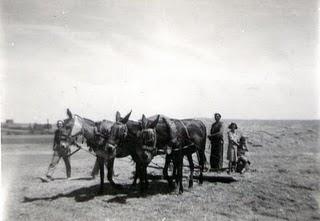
[[254, 59]]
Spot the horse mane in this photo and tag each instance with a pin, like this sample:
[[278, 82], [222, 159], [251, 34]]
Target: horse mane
[[90, 122]]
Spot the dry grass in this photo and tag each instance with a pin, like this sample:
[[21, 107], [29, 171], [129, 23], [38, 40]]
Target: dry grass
[[283, 183]]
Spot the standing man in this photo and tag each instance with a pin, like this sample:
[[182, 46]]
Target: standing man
[[216, 138], [60, 150]]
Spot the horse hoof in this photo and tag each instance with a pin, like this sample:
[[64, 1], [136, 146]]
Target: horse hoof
[[172, 186], [142, 190], [117, 186], [143, 193]]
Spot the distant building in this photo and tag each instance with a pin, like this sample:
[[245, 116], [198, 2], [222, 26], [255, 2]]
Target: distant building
[[9, 121], [41, 126], [10, 127]]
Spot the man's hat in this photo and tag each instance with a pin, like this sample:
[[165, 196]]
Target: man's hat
[[60, 122], [217, 114], [233, 124]]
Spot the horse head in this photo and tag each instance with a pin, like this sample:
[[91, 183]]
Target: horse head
[[147, 139], [118, 131], [75, 126]]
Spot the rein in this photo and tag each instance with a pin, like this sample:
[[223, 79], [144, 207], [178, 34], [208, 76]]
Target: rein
[[70, 154], [188, 136], [80, 147], [157, 166]]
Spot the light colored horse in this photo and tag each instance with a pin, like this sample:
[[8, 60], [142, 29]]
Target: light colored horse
[[95, 135]]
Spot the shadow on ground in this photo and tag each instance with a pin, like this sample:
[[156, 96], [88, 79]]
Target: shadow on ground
[[123, 192], [208, 178], [84, 194]]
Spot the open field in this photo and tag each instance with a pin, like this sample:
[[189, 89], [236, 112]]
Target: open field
[[283, 183]]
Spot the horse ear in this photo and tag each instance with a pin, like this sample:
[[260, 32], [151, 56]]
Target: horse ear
[[69, 113], [155, 122], [118, 116], [144, 122], [126, 118]]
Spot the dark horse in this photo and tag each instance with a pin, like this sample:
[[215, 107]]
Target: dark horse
[[125, 137], [160, 134], [95, 135], [179, 138]]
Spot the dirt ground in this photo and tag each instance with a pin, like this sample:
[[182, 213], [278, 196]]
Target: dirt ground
[[282, 184]]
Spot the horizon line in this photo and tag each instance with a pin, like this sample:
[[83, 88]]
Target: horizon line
[[228, 119]]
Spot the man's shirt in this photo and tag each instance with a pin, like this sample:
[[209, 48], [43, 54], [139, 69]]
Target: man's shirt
[[58, 136], [216, 131]]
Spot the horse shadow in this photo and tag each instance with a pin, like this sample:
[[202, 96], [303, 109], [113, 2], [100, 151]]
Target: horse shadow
[[82, 178], [208, 178], [121, 192]]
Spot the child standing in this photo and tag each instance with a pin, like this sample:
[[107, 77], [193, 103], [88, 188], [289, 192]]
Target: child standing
[[233, 138]]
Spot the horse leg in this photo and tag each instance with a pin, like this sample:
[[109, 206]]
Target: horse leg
[[175, 170], [201, 159], [165, 168], [101, 168], [141, 178], [110, 172], [165, 171], [146, 182], [180, 168], [191, 165], [135, 178]]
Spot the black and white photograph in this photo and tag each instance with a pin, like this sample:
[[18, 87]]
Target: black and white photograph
[[164, 110]]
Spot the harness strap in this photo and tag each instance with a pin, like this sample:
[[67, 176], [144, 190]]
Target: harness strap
[[188, 136], [155, 141], [70, 154], [185, 128], [174, 132], [82, 131], [80, 147], [184, 147]]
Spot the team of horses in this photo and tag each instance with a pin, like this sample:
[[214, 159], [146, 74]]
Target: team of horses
[[142, 140]]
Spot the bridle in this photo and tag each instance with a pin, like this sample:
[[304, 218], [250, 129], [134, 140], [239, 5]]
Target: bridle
[[81, 132], [123, 129], [150, 139], [73, 137]]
